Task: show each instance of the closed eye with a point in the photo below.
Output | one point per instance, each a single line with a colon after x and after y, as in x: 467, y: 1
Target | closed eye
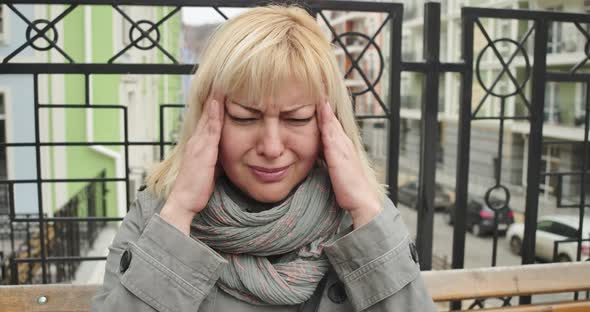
x: 242, y: 120
x: 300, y: 121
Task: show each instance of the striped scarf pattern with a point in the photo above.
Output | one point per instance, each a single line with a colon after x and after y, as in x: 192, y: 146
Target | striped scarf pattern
x: 299, y: 227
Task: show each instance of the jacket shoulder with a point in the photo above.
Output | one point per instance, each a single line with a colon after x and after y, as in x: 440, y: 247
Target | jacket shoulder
x: 149, y: 203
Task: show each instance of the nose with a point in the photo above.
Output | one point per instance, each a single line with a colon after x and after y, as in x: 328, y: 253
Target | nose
x: 270, y: 143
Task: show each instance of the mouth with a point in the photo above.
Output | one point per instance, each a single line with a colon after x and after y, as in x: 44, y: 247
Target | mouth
x: 268, y: 175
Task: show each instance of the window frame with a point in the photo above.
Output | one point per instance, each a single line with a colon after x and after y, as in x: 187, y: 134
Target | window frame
x: 4, y: 200
x: 555, y: 33
x: 3, y: 23
x: 546, y: 229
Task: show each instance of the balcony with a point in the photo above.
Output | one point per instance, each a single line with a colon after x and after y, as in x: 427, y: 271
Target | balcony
x: 411, y: 104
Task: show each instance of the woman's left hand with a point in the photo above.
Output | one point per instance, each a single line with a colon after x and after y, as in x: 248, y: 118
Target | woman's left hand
x: 349, y: 181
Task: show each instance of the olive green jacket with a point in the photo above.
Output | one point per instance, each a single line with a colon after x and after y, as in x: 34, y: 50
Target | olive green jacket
x: 152, y: 266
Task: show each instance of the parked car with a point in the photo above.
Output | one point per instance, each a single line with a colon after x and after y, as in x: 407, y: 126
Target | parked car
x: 550, y: 229
x: 408, y: 195
x: 480, y: 217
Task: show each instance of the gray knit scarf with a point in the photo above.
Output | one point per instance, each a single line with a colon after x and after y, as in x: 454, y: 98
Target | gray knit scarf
x: 297, y: 228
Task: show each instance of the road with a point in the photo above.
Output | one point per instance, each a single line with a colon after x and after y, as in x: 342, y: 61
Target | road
x: 478, y: 250
x: 478, y: 253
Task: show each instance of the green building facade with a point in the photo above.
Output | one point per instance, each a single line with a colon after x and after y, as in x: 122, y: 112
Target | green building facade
x: 94, y: 34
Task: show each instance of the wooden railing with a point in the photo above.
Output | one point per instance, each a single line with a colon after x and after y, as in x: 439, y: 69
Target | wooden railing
x: 444, y: 286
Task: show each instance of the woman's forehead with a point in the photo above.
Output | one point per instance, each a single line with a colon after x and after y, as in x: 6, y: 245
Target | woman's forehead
x: 285, y: 98
x: 283, y: 107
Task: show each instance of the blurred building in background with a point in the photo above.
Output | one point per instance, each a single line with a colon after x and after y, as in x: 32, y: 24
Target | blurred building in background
x: 365, y: 38
x: 94, y: 34
x: 89, y: 34
x: 84, y: 37
x: 564, y: 105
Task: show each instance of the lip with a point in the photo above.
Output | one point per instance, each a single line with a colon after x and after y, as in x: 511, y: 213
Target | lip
x: 268, y: 175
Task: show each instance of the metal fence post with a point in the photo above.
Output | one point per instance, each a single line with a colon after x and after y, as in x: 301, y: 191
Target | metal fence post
x: 463, y: 147
x: 395, y: 103
x: 429, y: 135
x: 535, y: 146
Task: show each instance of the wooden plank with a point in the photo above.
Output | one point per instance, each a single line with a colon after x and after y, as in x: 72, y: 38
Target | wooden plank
x: 442, y: 285
x: 60, y: 298
x: 572, y: 306
x: 504, y: 281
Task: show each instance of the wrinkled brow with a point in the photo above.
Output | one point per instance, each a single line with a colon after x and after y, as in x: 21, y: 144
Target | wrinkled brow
x: 258, y: 111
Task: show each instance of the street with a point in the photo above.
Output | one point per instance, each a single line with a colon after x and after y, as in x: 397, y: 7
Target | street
x: 478, y: 250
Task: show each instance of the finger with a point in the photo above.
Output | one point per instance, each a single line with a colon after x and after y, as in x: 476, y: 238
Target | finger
x: 217, y: 95
x: 213, y: 110
x: 212, y: 113
x: 322, y: 114
x: 216, y: 102
x: 330, y: 124
x: 221, y: 112
x: 318, y: 111
x: 336, y: 144
x: 214, y: 122
x: 202, y: 123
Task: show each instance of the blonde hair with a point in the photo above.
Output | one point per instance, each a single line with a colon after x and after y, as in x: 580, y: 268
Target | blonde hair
x: 260, y: 51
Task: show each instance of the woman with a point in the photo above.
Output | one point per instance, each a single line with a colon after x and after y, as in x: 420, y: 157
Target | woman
x: 268, y: 202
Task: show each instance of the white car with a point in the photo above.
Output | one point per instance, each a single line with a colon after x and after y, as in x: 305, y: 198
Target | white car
x: 550, y: 229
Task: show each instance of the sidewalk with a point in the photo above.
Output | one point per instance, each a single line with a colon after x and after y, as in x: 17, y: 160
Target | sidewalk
x: 92, y: 272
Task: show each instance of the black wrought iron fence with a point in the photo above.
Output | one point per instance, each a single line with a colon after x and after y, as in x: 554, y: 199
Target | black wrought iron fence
x: 62, y: 240
x: 536, y: 25
x: 4, y: 199
x: 527, y: 88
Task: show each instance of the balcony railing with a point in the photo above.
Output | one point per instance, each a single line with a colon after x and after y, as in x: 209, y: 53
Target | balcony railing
x: 530, y: 89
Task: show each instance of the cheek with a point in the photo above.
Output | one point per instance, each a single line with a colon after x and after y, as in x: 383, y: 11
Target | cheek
x: 306, y: 142
x: 233, y: 143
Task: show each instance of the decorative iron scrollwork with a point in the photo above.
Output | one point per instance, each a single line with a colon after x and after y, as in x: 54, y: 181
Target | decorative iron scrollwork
x: 40, y: 33
x: 574, y: 69
x: 144, y: 34
x: 337, y: 38
x: 370, y: 42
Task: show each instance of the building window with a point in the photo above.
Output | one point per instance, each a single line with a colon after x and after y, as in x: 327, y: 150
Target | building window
x: 3, y: 174
x: 504, y: 29
x: 359, y: 104
x: 552, y: 113
x: 409, y: 53
x: 2, y: 20
x: 550, y: 162
x: 403, y: 138
x: 411, y: 9
x: 580, y: 105
x: 371, y: 73
x: 554, y: 39
x: 380, y: 140
x: 125, y: 25
x: 4, y: 209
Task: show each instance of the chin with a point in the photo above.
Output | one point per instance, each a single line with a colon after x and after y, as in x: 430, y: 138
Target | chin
x: 269, y: 196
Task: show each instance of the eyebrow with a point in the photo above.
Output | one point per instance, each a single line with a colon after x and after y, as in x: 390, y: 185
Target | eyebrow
x: 254, y: 110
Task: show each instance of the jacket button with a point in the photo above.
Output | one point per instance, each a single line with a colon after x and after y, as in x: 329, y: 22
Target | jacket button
x: 125, y: 261
x: 336, y: 293
x: 414, y: 252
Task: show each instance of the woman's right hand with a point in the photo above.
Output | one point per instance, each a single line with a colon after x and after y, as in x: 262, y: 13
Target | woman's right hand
x: 196, y: 177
